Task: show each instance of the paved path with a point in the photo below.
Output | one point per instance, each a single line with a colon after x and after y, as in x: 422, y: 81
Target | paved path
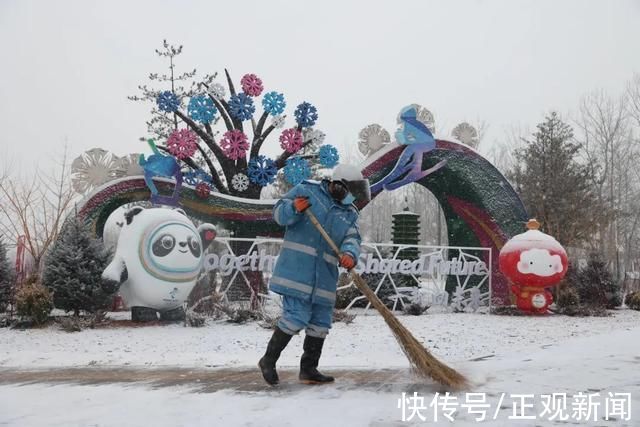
x: 212, y: 380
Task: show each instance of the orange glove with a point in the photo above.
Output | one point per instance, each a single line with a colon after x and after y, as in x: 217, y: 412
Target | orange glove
x: 347, y: 261
x: 301, y: 204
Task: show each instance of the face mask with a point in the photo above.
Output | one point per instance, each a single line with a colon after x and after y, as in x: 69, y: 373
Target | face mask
x: 338, y: 191
x: 349, y: 199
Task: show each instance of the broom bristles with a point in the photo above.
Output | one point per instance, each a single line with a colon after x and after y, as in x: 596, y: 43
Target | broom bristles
x: 422, y: 361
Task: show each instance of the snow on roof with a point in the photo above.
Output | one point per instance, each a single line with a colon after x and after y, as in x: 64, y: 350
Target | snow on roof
x: 406, y: 213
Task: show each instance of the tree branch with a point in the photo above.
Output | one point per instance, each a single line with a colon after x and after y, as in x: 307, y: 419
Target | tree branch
x: 281, y: 161
x: 257, y: 144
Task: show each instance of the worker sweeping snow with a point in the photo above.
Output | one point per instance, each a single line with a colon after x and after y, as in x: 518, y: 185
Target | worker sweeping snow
x: 306, y: 273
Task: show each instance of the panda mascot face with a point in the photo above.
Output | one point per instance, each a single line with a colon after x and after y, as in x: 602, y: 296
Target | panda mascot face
x: 171, y: 251
x: 158, y: 257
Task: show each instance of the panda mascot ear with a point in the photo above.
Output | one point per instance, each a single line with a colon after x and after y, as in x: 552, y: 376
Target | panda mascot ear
x: 131, y: 213
x: 207, y: 234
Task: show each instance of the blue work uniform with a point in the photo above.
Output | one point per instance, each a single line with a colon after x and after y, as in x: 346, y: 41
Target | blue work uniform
x: 306, y: 273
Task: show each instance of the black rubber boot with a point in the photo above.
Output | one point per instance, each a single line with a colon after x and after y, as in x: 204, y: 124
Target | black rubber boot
x: 309, y: 362
x: 267, y: 364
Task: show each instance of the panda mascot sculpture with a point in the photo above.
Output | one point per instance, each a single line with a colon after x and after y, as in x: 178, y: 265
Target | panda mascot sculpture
x: 159, y: 255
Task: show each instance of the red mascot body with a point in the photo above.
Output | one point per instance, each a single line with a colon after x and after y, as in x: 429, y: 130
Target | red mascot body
x: 533, y: 261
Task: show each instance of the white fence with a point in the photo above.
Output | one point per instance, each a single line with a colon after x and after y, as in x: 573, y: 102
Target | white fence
x: 423, y: 277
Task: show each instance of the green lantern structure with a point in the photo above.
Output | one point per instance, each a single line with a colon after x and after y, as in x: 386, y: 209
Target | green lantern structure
x: 406, y: 231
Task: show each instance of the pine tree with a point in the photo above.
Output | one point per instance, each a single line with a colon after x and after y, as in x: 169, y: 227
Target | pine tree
x: 554, y: 185
x: 596, y: 285
x: 6, y: 277
x: 73, y: 270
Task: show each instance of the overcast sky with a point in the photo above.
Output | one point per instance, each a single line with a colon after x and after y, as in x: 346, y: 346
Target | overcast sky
x: 68, y: 66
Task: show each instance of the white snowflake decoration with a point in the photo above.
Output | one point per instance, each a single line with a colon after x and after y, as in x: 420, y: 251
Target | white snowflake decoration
x: 240, y: 182
x: 316, y: 136
x: 424, y: 116
x: 91, y: 169
x: 127, y: 166
x: 466, y: 134
x: 217, y: 91
x: 372, y: 138
x: 277, y: 121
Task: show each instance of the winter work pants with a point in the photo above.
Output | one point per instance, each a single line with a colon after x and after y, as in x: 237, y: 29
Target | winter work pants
x: 298, y: 314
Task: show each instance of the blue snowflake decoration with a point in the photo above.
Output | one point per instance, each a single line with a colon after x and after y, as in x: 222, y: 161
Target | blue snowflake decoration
x: 204, y: 177
x: 195, y: 177
x: 201, y: 109
x: 328, y: 156
x: 190, y: 178
x: 273, y: 103
x: 306, y: 115
x: 241, y: 106
x: 262, y: 170
x: 297, y: 170
x: 168, y: 102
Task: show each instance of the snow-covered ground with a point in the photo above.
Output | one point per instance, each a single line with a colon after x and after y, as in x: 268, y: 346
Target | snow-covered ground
x: 503, y: 356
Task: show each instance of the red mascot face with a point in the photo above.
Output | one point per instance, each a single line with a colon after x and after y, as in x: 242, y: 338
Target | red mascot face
x: 541, y: 267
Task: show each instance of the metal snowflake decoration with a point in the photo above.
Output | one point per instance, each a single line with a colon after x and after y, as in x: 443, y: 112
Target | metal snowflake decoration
x: 218, y: 91
x: 190, y: 178
x: 278, y: 121
x: 316, y: 136
x: 182, y: 143
x: 328, y: 156
x: 127, y: 166
x: 273, y: 103
x: 251, y: 85
x: 466, y: 134
x: 296, y: 170
x: 203, y: 176
x: 424, y: 116
x: 203, y: 190
x: 91, y: 169
x: 202, y: 109
x: 262, y: 170
x: 306, y: 115
x: 194, y: 176
x: 372, y: 138
x: 291, y: 140
x: 234, y: 144
x: 240, y: 182
x: 241, y: 106
x: 168, y: 102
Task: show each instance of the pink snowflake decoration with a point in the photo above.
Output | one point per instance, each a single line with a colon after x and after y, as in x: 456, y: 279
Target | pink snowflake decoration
x: 182, y: 143
x: 234, y: 144
x: 291, y: 140
x: 251, y: 85
x: 203, y: 190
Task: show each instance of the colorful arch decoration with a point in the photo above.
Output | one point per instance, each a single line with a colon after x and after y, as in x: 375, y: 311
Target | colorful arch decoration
x: 480, y: 206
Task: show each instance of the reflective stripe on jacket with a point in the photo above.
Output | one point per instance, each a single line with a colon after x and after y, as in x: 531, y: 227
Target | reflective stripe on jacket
x: 307, y: 267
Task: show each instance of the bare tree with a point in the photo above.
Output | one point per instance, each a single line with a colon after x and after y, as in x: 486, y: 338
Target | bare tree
x: 35, y: 207
x: 605, y: 133
x: 633, y: 98
x: 501, y: 153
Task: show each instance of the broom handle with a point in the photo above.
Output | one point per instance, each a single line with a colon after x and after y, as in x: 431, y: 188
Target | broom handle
x: 324, y: 234
x: 357, y: 279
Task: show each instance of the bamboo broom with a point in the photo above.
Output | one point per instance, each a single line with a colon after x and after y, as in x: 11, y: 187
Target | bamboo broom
x: 422, y: 361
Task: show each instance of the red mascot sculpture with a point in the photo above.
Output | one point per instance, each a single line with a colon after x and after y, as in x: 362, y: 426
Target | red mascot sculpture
x: 533, y: 261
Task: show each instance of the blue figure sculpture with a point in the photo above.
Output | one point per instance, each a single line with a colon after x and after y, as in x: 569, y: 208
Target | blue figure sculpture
x: 158, y: 164
x: 418, y: 140
x: 413, y: 131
